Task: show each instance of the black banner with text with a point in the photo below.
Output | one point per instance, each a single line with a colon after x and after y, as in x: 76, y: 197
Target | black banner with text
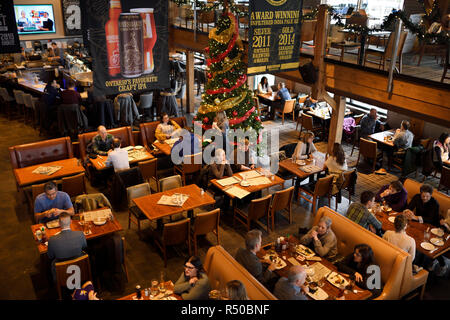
x: 274, y: 35
x: 72, y: 17
x: 9, y: 39
x: 128, y: 42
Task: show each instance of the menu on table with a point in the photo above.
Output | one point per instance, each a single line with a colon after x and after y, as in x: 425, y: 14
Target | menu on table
x: 259, y: 181
x: 237, y: 192
x: 228, y: 181
x: 176, y: 200
x: 310, y: 168
x: 97, y: 215
x: 249, y: 174
x: 47, y: 170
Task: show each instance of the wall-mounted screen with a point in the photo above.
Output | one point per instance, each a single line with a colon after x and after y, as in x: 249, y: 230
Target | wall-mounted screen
x: 35, y: 18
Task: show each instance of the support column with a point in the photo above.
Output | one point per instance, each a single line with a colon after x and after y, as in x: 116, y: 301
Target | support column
x: 190, y: 88
x: 336, y: 123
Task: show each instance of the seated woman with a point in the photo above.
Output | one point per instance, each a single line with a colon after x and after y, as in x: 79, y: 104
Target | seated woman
x: 356, y: 266
x: 193, y: 283
x: 305, y: 147
x: 166, y: 128
x: 220, y: 166
x: 321, y: 239
x: 336, y: 165
x: 263, y: 86
x: 399, y: 237
x: 236, y: 290
x: 394, y: 194
x: 441, y: 150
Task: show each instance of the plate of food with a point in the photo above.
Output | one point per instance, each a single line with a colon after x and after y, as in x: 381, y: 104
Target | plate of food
x: 245, y: 183
x: 53, y: 224
x: 99, y: 221
x: 337, y: 280
x: 139, y: 147
x: 437, y: 232
x: 437, y: 242
x: 386, y: 209
x: 300, y: 162
x: 317, y: 293
x: 279, y: 263
x: 427, y: 246
x: 391, y: 219
x: 304, y: 251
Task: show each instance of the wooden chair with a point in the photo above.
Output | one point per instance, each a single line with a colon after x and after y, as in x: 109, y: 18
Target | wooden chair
x: 368, y: 149
x: 385, y: 53
x: 347, y: 185
x: 62, y: 274
x: 444, y: 182
x: 306, y: 122
x: 204, y: 223
x: 134, y: 214
x: 173, y: 233
x: 356, y: 133
x: 191, y: 165
x: 282, y: 200
x: 169, y: 183
x: 257, y: 209
x: 124, y: 259
x: 287, y: 108
x: 74, y: 185
x: 149, y: 170
x: 321, y: 188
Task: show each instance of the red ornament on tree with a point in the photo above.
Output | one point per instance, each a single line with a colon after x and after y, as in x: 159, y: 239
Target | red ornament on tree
x: 209, y: 75
x: 205, y: 119
x: 207, y: 49
x: 258, y: 119
x: 235, y: 113
x: 225, y: 81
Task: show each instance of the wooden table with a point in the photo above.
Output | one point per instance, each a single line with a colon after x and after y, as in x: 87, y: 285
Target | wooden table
x: 154, y: 211
x: 294, y: 168
x: 324, y: 113
x: 276, y: 181
x: 99, y: 163
x: 271, y: 100
x: 381, y: 137
x: 26, y: 177
x: 416, y: 230
x: 163, y: 147
x: 39, y: 87
x: 97, y: 231
x: 330, y: 289
x: 169, y: 286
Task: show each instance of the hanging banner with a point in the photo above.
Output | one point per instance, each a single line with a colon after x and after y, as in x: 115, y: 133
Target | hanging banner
x: 128, y: 42
x: 72, y: 17
x: 9, y: 39
x: 274, y: 35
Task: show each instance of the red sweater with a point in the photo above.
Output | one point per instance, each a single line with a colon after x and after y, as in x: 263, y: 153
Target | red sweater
x: 70, y: 97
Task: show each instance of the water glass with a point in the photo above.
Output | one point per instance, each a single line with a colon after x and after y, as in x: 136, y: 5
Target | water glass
x: 426, y: 235
x: 154, y: 288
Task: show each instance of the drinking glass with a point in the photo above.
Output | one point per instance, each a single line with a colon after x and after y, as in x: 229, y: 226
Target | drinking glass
x: 162, y: 284
x: 154, y: 288
x: 426, y: 235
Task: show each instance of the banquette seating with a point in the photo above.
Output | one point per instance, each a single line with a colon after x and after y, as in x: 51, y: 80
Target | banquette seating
x: 221, y: 267
x: 148, y: 130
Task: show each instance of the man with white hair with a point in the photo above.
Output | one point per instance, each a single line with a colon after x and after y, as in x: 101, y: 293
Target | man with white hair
x: 291, y: 288
x: 67, y: 244
x: 102, y: 142
x: 321, y: 239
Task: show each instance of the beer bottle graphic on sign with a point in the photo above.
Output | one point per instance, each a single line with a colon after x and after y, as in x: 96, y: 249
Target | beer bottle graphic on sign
x: 149, y: 36
x: 112, y: 37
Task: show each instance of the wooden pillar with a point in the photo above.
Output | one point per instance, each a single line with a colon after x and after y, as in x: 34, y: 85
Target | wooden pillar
x: 320, y: 42
x: 336, y: 123
x: 190, y: 88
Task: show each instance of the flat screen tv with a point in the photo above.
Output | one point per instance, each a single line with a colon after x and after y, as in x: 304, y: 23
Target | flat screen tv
x: 35, y: 18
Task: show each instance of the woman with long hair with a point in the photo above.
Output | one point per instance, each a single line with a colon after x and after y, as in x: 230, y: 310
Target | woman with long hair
x: 193, y: 283
x: 305, y: 147
x: 336, y: 165
x: 441, y: 150
x: 166, y: 128
x: 263, y: 86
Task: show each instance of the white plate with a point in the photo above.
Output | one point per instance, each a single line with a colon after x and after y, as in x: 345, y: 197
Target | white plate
x: 334, y: 277
x: 386, y: 209
x: 437, y: 242
x: 319, y: 294
x: 245, y: 183
x: 99, y: 222
x: 53, y: 224
x: 304, y: 251
x: 437, y: 232
x: 427, y: 246
x: 300, y: 162
x: 138, y: 147
x: 391, y: 219
x: 279, y: 263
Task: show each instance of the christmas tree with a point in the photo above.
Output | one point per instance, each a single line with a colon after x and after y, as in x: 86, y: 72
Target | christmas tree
x: 227, y: 89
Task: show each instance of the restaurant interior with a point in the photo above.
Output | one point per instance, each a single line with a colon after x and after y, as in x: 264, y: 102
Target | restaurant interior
x: 351, y: 159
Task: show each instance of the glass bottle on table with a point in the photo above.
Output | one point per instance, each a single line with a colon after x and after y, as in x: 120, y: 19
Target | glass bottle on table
x: 154, y: 288
x: 162, y: 284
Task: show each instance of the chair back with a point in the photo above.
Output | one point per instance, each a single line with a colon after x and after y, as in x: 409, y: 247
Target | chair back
x: 323, y: 186
x: 347, y: 178
x: 149, y: 168
x: 302, y: 99
x: 169, y: 183
x: 425, y: 143
x: 192, y: 163
x: 259, y: 207
x: 390, y: 45
x: 357, y: 19
x: 307, y: 122
x: 289, y: 106
x: 256, y: 100
x: 146, y: 100
x: 358, y: 118
x: 18, y: 96
x: 137, y: 191
x: 367, y: 148
x: 206, y: 222
x: 74, y: 185
x: 62, y: 274
x: 282, y: 199
x: 176, y: 232
x: 27, y: 100
x: 445, y: 177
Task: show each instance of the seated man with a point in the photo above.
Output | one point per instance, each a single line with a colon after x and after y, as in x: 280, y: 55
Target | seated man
x: 102, y: 142
x: 370, y: 124
x: 394, y: 194
x: 283, y: 92
x: 50, y: 204
x: 321, y: 239
x: 248, y: 259
x: 191, y: 145
x: 67, y: 244
x: 243, y: 158
x: 359, y: 212
x: 291, y: 288
x: 403, y: 138
x: 118, y: 158
x: 426, y: 207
